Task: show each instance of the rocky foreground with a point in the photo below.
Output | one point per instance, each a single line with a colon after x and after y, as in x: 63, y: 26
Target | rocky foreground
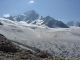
x: 10, y: 51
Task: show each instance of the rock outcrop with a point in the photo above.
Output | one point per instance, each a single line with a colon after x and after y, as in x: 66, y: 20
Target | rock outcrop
x: 1, y: 23
x: 10, y: 51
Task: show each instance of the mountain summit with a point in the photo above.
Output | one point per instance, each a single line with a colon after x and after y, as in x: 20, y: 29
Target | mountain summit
x: 32, y: 17
x: 73, y: 23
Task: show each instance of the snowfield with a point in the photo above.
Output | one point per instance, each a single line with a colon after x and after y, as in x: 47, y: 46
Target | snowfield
x: 60, y: 42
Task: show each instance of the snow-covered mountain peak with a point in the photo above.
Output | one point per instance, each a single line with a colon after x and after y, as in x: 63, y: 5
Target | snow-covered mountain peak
x: 23, y: 24
x: 32, y: 17
x: 73, y: 23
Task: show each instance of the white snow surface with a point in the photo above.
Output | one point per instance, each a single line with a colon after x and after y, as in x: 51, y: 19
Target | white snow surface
x: 60, y: 42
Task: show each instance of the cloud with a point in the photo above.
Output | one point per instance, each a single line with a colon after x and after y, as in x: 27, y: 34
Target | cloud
x: 6, y: 15
x: 31, y: 2
x: 60, y: 20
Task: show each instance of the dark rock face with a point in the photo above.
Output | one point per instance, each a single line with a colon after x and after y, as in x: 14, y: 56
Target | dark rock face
x: 6, y: 46
x: 32, y: 16
x: 28, y: 16
x: 52, y: 23
x: 1, y: 23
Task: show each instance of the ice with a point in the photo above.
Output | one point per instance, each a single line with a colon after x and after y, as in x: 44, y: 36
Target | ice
x: 57, y: 41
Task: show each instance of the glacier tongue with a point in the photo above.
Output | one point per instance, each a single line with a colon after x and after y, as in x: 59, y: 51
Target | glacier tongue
x: 60, y: 42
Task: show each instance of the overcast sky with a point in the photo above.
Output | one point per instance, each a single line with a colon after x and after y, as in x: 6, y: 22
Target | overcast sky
x: 65, y: 10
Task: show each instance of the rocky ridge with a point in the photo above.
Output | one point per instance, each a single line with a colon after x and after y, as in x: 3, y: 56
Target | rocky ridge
x: 10, y: 51
x: 32, y: 17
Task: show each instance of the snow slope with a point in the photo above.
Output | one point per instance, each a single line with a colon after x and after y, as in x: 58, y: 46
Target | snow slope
x: 60, y: 42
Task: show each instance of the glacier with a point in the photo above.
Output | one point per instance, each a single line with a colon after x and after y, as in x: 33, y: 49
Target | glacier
x: 60, y: 42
